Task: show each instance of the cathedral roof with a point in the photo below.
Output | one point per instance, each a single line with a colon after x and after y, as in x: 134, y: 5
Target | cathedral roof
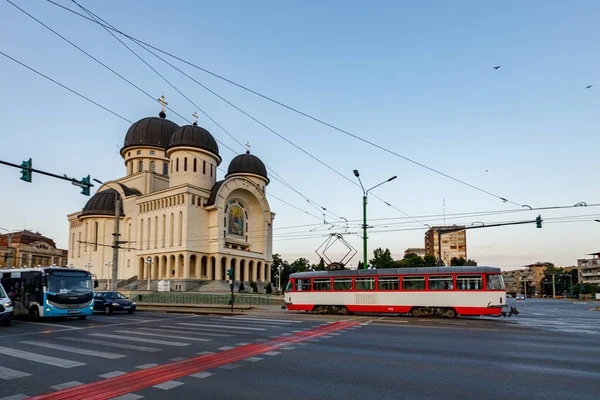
x: 102, y: 203
x: 150, y: 131
x: 247, y: 164
x: 194, y: 136
x: 213, y: 193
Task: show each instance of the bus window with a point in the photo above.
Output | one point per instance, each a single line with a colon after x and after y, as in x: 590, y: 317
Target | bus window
x: 468, y: 282
x: 364, y: 284
x: 342, y: 284
x: 441, y: 283
x: 413, y: 283
x: 495, y: 282
x: 322, y: 283
x: 388, y: 283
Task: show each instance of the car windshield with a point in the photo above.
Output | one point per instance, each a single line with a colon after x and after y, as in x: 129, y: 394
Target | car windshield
x: 69, y: 282
x: 114, y: 295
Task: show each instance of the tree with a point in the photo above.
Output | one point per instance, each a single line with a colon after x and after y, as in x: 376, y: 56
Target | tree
x: 254, y: 287
x: 285, y: 270
x: 241, y: 288
x: 458, y: 262
x: 360, y: 265
x: 320, y: 266
x: 471, y: 263
x: 382, y: 258
x: 300, y: 265
x: 429, y: 261
x: 410, y: 260
x: 268, y: 288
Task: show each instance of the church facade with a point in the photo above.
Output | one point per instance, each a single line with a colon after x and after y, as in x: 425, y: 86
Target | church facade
x: 177, y: 221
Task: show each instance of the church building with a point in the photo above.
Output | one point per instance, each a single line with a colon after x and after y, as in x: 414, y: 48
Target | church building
x: 177, y: 221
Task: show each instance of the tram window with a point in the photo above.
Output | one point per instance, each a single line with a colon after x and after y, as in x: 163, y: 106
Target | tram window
x: 289, y: 286
x: 495, y: 282
x: 298, y: 285
x: 413, y: 283
x: 364, y: 284
x: 468, y: 282
x: 342, y: 284
x: 389, y: 283
x: 322, y: 284
x: 441, y: 283
x: 306, y: 284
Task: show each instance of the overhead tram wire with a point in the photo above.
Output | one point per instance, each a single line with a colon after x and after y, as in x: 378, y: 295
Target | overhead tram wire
x: 295, y: 110
x: 108, y: 26
x: 131, y: 83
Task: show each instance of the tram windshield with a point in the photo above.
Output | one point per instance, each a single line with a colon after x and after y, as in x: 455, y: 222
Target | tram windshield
x: 495, y: 282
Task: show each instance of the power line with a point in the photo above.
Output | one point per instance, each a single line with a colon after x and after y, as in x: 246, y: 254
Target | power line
x: 295, y: 110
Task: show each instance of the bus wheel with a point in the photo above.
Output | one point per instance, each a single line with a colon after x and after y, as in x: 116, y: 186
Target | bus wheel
x: 34, y: 314
x: 449, y: 313
x: 343, y: 310
x: 107, y: 310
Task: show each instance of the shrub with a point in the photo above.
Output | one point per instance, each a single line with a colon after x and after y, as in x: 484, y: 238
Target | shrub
x: 268, y: 288
x: 242, y: 288
x: 254, y: 287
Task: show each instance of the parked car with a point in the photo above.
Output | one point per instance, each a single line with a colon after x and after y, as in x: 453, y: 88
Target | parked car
x: 107, y: 302
x: 520, y: 296
x: 6, y: 307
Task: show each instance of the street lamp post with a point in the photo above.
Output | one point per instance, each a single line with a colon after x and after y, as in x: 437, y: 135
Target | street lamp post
x: 365, y: 193
x: 109, y: 265
x: 89, y: 266
x: 570, y: 284
x: 149, y: 263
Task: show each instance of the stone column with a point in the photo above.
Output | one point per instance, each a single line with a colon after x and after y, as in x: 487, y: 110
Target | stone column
x: 186, y: 267
x: 247, y: 271
x: 237, y: 270
x: 268, y: 271
x: 254, y: 271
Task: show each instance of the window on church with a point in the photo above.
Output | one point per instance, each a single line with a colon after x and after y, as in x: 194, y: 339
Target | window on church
x: 139, y: 152
x: 235, y: 223
x: 193, y: 199
x: 177, y: 165
x: 165, y: 169
x: 152, y: 152
x: 140, y: 166
x: 152, y: 166
x: 185, y: 163
x: 95, y: 236
x: 211, y: 170
x: 204, y: 167
x: 195, y: 163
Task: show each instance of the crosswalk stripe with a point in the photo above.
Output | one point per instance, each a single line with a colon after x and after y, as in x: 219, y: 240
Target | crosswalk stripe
x: 170, y: 336
x: 26, y: 355
x: 199, y: 328
x: 76, y: 350
x: 66, y: 385
x: 138, y: 339
x: 186, y: 332
x: 223, y: 326
x: 265, y: 320
x: 7, y: 374
x: 111, y: 344
x: 18, y: 396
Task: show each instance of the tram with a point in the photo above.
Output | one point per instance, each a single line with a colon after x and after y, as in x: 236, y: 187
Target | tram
x: 433, y: 291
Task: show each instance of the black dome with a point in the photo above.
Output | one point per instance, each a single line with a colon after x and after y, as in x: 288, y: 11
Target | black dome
x: 150, y: 131
x: 102, y: 203
x: 194, y: 136
x: 247, y: 164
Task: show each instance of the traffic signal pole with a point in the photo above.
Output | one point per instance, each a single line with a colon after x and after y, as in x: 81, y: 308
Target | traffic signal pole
x: 27, y: 171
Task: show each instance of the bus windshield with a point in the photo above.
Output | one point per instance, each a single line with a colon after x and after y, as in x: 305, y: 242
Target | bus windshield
x: 62, y: 282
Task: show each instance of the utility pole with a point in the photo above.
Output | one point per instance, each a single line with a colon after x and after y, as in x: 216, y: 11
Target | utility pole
x: 440, y: 260
x: 365, y: 262
x: 116, y: 242
x: 553, y: 287
x: 9, y: 260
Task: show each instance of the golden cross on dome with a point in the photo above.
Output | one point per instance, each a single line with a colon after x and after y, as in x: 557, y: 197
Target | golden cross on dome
x: 248, y: 147
x: 162, y: 101
x: 195, y: 116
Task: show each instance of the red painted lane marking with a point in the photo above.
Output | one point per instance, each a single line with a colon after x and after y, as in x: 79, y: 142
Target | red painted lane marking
x: 134, y: 381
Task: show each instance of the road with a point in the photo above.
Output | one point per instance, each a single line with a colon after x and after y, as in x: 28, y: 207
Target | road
x: 283, y: 355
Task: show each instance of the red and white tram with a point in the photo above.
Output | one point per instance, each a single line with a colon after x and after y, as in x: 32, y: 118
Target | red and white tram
x: 440, y: 291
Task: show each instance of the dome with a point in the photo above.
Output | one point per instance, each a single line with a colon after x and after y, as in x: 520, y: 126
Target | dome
x: 194, y: 136
x: 102, y: 203
x: 150, y: 131
x: 247, y: 164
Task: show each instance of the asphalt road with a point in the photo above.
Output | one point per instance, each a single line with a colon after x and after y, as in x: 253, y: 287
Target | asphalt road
x: 282, y: 355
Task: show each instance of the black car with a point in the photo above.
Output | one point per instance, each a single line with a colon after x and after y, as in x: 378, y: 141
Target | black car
x: 107, y: 302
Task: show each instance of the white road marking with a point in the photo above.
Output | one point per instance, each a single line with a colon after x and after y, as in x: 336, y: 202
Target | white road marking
x: 265, y: 320
x: 253, y: 359
x: 230, y: 366
x: 223, y: 326
x: 138, y: 339
x: 203, y: 353
x: 296, y: 331
x: 288, y: 348
x: 25, y: 355
x: 110, y: 344
x: 128, y: 396
x: 202, y: 375
x: 334, y: 334
x: 76, y: 350
x: 66, y: 385
x: 225, y: 348
x: 112, y: 374
x: 314, y: 340
x: 17, y: 396
x: 170, y: 336
x: 261, y: 340
x: 47, y: 324
x: 177, y: 359
x: 186, y: 332
x: 287, y: 334
x: 7, y: 374
x: 146, y: 366
x: 168, y: 385
x: 241, y: 344
x: 272, y: 353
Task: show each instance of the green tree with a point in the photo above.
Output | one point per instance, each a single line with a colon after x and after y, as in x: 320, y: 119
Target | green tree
x: 471, y: 263
x: 300, y: 265
x: 268, y: 288
x: 360, y: 265
x: 275, y: 270
x: 458, y: 262
x: 429, y: 261
x: 382, y: 258
x: 242, y: 288
x: 254, y: 287
x: 320, y: 266
x: 410, y: 260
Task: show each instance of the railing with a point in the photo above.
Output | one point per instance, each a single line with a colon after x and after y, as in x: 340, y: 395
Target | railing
x: 201, y: 298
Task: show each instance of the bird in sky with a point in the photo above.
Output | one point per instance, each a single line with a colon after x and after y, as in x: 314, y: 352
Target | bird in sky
x: 587, y: 87
x: 497, y: 66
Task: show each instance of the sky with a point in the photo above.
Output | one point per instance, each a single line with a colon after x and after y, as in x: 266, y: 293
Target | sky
x: 416, y: 78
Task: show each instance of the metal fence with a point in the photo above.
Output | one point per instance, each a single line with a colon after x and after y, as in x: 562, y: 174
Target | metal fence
x: 197, y: 298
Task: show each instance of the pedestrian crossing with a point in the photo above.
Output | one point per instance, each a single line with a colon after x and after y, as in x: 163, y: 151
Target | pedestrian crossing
x: 183, y: 337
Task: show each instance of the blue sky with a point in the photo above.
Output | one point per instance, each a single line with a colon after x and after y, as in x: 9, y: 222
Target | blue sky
x: 415, y: 77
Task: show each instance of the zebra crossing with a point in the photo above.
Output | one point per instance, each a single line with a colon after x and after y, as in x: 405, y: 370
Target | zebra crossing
x: 29, y: 356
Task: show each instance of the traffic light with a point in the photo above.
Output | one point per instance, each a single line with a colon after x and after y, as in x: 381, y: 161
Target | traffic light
x: 26, y: 171
x: 538, y: 221
x: 85, y: 181
x: 230, y: 273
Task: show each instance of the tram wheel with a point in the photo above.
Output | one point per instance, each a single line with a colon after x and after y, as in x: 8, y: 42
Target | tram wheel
x: 343, y: 310
x: 449, y: 313
x: 321, y: 309
x: 417, y: 312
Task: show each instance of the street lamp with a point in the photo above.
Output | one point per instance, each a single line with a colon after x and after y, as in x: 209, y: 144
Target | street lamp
x: 149, y: 263
x: 365, y: 193
x: 109, y: 265
x: 89, y: 266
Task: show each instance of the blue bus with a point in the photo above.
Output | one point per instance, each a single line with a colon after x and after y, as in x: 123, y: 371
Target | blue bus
x: 50, y: 292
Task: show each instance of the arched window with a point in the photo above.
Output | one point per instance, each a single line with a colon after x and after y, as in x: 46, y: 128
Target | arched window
x: 164, y: 230
x: 129, y: 168
x: 177, y: 165
x: 185, y: 163
x: 180, y: 228
x: 235, y: 218
x: 152, y: 166
x: 95, y: 235
x: 211, y: 170
x: 171, y: 229
x: 140, y: 166
x: 165, y: 169
x: 195, y: 162
x: 204, y: 167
